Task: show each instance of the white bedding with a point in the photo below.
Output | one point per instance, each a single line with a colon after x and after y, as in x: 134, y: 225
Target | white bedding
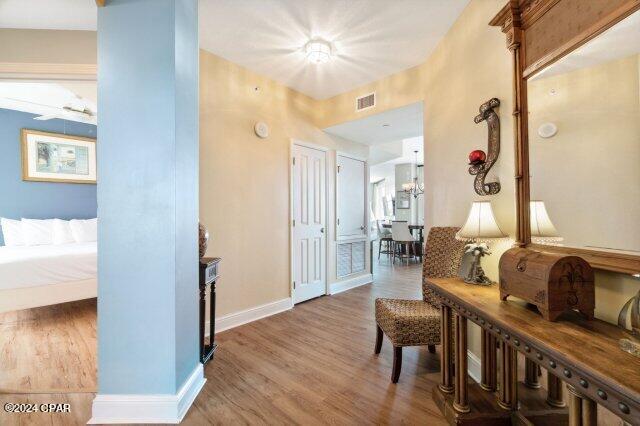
x: 31, y: 266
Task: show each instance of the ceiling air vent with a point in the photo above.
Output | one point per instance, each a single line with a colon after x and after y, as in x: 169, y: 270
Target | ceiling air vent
x: 366, y: 101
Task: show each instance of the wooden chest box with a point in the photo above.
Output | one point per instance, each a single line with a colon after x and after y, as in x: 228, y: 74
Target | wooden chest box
x: 553, y: 282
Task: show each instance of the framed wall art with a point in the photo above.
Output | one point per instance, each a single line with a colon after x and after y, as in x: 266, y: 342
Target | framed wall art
x: 403, y: 200
x: 54, y: 157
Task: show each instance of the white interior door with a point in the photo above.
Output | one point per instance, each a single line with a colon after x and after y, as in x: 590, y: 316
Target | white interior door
x: 351, y: 197
x: 309, y: 223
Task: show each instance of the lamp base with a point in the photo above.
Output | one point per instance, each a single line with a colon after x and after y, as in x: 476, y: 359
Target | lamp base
x: 476, y: 274
x: 631, y: 346
x: 480, y: 281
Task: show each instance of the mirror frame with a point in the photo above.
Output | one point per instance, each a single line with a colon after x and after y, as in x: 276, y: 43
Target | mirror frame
x: 538, y: 34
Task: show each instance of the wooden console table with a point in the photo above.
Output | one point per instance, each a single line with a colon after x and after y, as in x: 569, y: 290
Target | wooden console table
x: 583, y: 354
x: 208, y: 276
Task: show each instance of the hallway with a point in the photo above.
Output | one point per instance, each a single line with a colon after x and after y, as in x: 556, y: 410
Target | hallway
x: 315, y: 365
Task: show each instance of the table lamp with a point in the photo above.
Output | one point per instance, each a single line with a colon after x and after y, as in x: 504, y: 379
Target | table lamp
x: 480, y: 228
x: 542, y: 229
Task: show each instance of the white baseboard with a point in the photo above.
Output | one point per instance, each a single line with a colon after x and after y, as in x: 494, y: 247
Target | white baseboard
x: 348, y: 284
x: 111, y: 409
x: 473, y: 366
x: 252, y: 314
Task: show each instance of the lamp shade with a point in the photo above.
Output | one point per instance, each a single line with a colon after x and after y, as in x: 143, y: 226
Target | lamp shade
x: 481, y: 224
x: 541, y: 226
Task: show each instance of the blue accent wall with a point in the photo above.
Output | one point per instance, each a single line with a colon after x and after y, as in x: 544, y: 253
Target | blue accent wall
x: 39, y: 200
x: 148, y: 196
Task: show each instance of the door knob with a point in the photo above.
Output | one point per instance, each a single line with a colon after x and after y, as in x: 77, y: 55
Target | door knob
x: 322, y: 230
x: 362, y: 228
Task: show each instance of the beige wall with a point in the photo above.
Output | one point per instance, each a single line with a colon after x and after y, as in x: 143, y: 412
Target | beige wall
x: 68, y: 57
x: 470, y: 65
x: 397, y: 90
x: 244, y: 180
x: 48, y: 46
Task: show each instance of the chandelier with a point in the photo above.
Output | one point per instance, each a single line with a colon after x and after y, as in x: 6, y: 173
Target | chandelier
x: 413, y: 188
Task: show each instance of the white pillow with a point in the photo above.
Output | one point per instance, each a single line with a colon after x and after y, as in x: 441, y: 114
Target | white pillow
x: 37, y: 232
x: 84, y: 231
x: 62, y: 232
x: 12, y: 232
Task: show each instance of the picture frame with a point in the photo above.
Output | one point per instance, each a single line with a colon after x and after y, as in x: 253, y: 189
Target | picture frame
x: 56, y: 157
x: 403, y: 200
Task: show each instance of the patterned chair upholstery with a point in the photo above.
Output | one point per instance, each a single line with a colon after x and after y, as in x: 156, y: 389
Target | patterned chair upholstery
x: 417, y: 322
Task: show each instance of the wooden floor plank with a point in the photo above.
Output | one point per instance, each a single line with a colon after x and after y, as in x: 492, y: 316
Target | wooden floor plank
x: 49, y: 349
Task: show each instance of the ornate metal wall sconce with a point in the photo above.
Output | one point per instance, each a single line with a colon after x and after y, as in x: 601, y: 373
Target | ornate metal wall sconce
x: 481, y: 164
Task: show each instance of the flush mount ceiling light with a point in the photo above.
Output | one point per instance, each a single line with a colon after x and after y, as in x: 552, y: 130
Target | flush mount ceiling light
x: 318, y: 51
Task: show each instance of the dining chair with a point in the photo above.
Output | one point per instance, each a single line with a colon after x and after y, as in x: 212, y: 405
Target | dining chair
x: 417, y: 322
x: 384, y: 236
x: 403, y: 241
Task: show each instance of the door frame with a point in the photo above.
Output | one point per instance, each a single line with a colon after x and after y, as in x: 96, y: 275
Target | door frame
x: 304, y: 144
x: 366, y: 237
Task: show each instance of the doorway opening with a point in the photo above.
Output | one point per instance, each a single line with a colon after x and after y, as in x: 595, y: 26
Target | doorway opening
x: 396, y: 180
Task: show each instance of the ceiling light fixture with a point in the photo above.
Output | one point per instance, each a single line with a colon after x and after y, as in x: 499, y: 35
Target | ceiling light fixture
x: 318, y: 51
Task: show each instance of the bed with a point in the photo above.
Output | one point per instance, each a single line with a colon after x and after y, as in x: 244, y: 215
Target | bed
x: 48, y: 274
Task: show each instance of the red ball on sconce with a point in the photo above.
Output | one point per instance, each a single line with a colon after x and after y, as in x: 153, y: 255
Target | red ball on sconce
x: 477, y: 157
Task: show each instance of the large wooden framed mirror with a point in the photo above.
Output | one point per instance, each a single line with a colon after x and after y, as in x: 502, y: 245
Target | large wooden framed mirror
x: 577, y: 127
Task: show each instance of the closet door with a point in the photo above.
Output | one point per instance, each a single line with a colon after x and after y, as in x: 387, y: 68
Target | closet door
x: 309, y: 215
x: 350, y: 201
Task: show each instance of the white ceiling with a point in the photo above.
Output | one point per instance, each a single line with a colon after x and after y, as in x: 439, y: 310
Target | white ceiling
x: 621, y: 40
x: 388, y: 145
x: 371, y: 38
x: 388, y: 126
x: 48, y: 14
x: 386, y: 169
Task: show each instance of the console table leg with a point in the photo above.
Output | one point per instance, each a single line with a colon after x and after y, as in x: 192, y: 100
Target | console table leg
x: 582, y: 410
x: 508, y: 395
x: 461, y: 397
x: 554, y: 392
x: 589, y: 412
x: 202, y: 294
x: 446, y: 373
x: 531, y: 379
x: 489, y: 362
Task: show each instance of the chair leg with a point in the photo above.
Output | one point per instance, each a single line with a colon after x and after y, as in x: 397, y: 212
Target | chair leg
x: 407, y: 252
x: 379, y: 248
x: 378, y: 339
x: 397, y: 363
x: 432, y: 349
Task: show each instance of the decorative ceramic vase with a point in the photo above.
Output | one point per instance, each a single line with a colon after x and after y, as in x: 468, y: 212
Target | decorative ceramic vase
x: 203, y: 239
